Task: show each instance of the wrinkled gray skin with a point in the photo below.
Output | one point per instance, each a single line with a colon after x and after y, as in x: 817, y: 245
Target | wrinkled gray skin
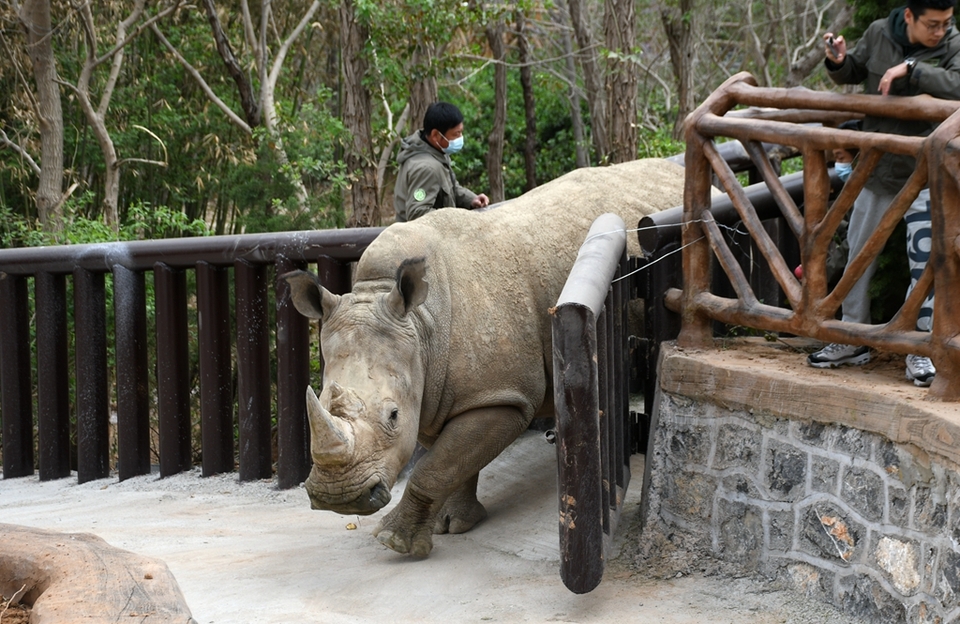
x: 445, y: 339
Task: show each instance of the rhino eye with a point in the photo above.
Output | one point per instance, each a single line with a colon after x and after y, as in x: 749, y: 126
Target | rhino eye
x: 394, y: 414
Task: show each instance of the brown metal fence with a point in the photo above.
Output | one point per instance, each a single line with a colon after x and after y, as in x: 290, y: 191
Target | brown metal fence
x: 248, y: 263
x: 810, y: 308
x: 591, y: 398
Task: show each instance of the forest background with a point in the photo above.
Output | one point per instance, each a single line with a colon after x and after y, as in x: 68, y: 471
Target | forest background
x: 136, y: 119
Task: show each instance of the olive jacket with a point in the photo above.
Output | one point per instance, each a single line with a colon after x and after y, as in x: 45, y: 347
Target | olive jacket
x: 426, y: 181
x: 937, y: 73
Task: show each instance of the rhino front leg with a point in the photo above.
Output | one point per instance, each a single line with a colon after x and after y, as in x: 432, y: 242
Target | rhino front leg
x: 467, y: 443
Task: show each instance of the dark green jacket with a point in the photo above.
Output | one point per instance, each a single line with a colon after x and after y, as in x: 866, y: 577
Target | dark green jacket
x: 426, y: 181
x: 937, y: 74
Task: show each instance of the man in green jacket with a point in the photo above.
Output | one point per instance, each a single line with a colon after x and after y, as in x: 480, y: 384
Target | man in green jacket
x: 916, y: 50
x: 426, y: 181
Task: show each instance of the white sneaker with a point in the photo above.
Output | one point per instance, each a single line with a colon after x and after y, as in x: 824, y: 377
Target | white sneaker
x: 835, y: 354
x: 920, y: 370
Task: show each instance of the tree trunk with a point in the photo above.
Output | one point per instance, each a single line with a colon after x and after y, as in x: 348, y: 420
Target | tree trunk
x: 248, y: 101
x: 529, y: 105
x: 423, y: 88
x: 359, y: 158
x: 679, y: 27
x: 35, y: 18
x: 620, y: 26
x: 593, y: 82
x: 495, y: 32
x: 561, y: 16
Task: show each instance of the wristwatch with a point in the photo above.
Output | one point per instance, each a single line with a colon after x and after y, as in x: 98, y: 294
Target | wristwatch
x: 911, y: 63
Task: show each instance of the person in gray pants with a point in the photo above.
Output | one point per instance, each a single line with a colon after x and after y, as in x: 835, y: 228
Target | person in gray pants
x: 915, y: 50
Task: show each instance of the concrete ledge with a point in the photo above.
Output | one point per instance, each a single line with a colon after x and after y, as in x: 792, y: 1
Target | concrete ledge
x: 755, y: 374
x: 841, y: 483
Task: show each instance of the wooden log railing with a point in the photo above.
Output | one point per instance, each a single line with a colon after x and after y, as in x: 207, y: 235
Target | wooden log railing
x: 592, y: 403
x: 810, y: 307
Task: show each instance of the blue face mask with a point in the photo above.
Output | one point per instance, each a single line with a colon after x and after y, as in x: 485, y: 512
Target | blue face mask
x: 454, y: 146
x: 843, y: 170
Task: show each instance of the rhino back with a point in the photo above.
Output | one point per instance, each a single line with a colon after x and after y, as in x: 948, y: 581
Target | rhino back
x: 493, y: 276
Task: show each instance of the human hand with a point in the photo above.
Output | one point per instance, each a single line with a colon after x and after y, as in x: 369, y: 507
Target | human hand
x: 836, y: 47
x: 480, y: 201
x: 897, y: 71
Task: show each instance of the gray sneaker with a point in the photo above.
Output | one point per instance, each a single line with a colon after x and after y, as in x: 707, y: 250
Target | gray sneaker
x: 835, y: 354
x: 920, y: 370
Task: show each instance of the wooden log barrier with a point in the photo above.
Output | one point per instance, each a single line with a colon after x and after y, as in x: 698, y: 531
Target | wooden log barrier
x: 78, y: 577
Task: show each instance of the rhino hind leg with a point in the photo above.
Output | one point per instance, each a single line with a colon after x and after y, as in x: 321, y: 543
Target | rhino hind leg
x: 462, y: 511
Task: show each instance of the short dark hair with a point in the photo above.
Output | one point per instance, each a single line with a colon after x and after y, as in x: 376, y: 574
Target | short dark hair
x: 442, y: 116
x: 918, y: 7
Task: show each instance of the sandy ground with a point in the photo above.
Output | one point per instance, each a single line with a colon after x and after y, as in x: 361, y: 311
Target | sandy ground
x: 248, y: 552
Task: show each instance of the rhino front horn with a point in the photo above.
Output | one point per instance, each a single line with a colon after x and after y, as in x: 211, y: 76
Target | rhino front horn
x: 331, y: 439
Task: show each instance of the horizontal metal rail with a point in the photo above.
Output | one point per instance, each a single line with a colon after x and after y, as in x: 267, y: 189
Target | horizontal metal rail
x: 246, y: 263
x: 591, y: 397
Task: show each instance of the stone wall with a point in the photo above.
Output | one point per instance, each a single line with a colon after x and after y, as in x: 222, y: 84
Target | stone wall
x: 843, y: 514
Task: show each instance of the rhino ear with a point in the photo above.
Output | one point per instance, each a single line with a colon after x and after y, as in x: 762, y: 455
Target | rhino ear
x: 309, y: 297
x: 411, y: 287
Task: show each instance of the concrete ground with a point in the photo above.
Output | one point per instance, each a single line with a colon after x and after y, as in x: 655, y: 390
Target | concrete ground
x: 247, y: 552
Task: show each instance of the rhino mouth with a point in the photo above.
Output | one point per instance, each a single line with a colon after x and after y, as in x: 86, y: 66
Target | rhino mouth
x: 371, y: 499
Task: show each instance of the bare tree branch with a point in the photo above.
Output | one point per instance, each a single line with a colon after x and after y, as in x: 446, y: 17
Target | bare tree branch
x: 814, y: 56
x: 6, y: 142
x: 232, y: 116
x: 285, y: 48
x: 111, y: 83
x: 121, y: 44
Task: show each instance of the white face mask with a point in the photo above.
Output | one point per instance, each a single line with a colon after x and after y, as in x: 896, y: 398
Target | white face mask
x: 843, y: 170
x: 453, y: 145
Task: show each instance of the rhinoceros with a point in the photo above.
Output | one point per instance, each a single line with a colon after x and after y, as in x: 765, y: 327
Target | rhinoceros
x: 446, y: 339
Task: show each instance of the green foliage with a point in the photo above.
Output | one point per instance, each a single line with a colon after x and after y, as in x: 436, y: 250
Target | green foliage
x: 142, y: 222
x: 867, y: 11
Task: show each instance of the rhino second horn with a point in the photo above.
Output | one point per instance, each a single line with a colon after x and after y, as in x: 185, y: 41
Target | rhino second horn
x: 330, y: 438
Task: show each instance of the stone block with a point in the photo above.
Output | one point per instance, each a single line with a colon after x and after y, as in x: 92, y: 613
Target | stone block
x: 928, y: 562
x: 786, y: 472
x: 690, y: 495
x: 780, y: 527
x: 898, y: 506
x: 925, y: 613
x: 948, y: 579
x: 741, y: 484
x: 741, y: 533
x: 863, y: 597
x: 737, y: 447
x: 852, y: 442
x: 888, y: 458
x: 810, y: 580
x: 825, y: 531
x: 689, y: 444
x: 861, y: 488
x: 813, y: 433
x: 900, y: 561
x: 824, y: 474
x: 929, y: 514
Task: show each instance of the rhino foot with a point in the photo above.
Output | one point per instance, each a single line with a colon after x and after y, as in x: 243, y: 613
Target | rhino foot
x: 395, y: 535
x: 416, y: 546
x: 459, y: 516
